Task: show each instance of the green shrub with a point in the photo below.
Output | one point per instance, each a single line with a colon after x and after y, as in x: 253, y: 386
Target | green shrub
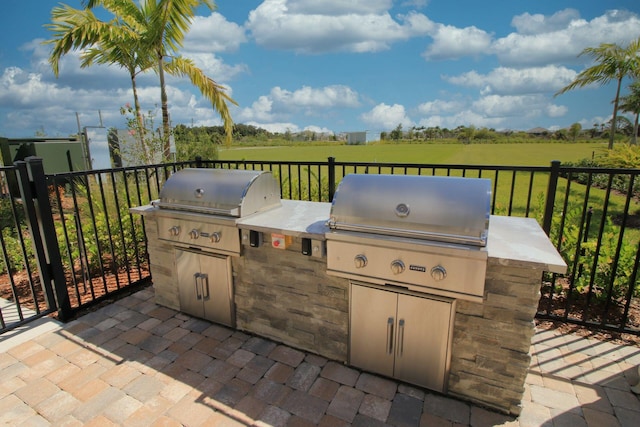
x: 106, y: 236
x: 596, y: 261
x: 14, y: 252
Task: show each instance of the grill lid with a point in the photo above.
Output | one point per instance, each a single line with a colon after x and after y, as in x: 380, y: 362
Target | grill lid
x: 228, y: 192
x: 446, y: 209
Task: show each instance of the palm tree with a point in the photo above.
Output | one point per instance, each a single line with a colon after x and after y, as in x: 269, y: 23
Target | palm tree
x: 631, y: 104
x: 611, y: 62
x: 111, y: 43
x: 152, y: 31
x: 167, y: 23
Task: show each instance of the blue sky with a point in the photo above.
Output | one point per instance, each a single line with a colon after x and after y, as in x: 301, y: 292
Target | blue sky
x: 337, y: 65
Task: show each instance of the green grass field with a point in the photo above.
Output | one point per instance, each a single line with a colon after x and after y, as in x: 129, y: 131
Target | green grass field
x: 515, y: 193
x: 535, y: 154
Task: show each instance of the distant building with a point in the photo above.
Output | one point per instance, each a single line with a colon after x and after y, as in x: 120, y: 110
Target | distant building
x: 362, y: 137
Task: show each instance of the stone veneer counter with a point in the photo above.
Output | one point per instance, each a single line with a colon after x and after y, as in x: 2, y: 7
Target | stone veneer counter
x: 293, y: 300
x: 293, y: 218
x: 287, y: 296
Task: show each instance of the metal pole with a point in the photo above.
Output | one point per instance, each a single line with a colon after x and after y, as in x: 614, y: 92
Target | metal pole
x: 332, y: 177
x: 551, y: 196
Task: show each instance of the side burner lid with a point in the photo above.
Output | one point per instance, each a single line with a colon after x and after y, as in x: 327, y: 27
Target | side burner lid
x: 228, y: 192
x: 446, y: 209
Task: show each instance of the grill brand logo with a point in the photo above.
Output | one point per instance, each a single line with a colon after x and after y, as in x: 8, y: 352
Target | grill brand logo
x: 419, y: 268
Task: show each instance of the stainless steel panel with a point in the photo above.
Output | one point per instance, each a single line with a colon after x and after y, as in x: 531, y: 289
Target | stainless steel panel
x: 465, y: 269
x: 198, y: 233
x: 217, y: 289
x: 205, y: 286
x: 401, y: 334
x: 187, y: 267
x: 422, y: 341
x: 371, y: 334
x: 229, y: 192
x: 448, y: 209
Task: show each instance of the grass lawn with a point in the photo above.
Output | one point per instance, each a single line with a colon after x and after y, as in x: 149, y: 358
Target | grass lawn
x: 534, y: 154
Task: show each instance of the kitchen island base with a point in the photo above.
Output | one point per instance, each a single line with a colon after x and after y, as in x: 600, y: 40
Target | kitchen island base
x: 284, y: 295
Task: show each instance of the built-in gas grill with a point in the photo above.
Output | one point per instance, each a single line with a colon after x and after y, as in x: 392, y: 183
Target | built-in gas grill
x: 197, y: 214
x: 200, y: 207
x: 426, y: 233
x: 411, y: 246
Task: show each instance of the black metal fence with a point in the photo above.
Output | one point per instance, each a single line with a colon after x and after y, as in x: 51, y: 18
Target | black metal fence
x: 91, y: 246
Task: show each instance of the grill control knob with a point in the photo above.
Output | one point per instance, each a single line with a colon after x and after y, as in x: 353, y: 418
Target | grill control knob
x: 397, y: 266
x: 215, y: 237
x: 194, y: 234
x: 360, y: 261
x: 438, y: 273
x: 174, y: 231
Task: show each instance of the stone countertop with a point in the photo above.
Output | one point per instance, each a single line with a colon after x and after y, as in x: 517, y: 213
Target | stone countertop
x: 294, y: 218
x: 512, y: 241
x: 516, y: 241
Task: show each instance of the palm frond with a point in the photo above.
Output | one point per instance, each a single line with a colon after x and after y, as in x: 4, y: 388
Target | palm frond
x: 212, y: 91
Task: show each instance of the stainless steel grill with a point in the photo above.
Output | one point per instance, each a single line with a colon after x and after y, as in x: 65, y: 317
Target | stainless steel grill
x: 447, y: 209
x: 411, y: 246
x: 426, y: 233
x: 227, y: 192
x: 200, y: 207
x: 197, y: 214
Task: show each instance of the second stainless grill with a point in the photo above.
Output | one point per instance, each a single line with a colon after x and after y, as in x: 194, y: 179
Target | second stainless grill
x: 426, y: 233
x: 446, y: 209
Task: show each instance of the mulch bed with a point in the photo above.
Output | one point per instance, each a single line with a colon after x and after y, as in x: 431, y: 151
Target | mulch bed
x: 80, y: 291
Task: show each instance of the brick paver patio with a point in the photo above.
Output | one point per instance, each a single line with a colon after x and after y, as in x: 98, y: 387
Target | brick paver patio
x: 134, y: 363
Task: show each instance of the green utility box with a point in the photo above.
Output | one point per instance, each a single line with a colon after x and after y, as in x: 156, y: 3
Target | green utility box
x: 58, y: 155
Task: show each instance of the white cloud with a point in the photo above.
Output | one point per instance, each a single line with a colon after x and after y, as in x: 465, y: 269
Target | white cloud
x: 562, y: 36
x: 553, y: 110
x: 214, y: 33
x: 384, y: 116
x: 538, y: 23
x: 510, y: 105
x: 308, y: 97
x: 512, y: 81
x: 337, y: 7
x: 281, y: 127
x: 215, y: 68
x: 315, y: 27
x: 450, y: 42
x: 439, y: 107
x: 37, y: 103
x: 418, y: 4
x: 259, y: 110
x: 282, y: 103
x: 494, y: 111
x: 462, y: 118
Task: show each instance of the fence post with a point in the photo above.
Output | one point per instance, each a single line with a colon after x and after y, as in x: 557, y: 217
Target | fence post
x: 332, y: 177
x: 198, y: 161
x: 551, y: 196
x: 35, y: 197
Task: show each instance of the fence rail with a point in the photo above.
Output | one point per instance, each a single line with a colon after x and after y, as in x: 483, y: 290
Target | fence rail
x: 591, y: 216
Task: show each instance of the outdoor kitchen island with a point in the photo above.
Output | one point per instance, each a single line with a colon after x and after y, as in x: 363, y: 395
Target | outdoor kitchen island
x: 281, y: 291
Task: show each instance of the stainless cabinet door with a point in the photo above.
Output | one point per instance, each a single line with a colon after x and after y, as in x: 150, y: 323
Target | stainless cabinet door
x: 188, y: 269
x: 422, y: 341
x: 215, y: 278
x: 373, y: 329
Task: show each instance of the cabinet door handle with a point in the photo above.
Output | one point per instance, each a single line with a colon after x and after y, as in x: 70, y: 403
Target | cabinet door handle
x: 390, y: 322
x: 205, y: 286
x: 198, y: 293
x: 400, y: 337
